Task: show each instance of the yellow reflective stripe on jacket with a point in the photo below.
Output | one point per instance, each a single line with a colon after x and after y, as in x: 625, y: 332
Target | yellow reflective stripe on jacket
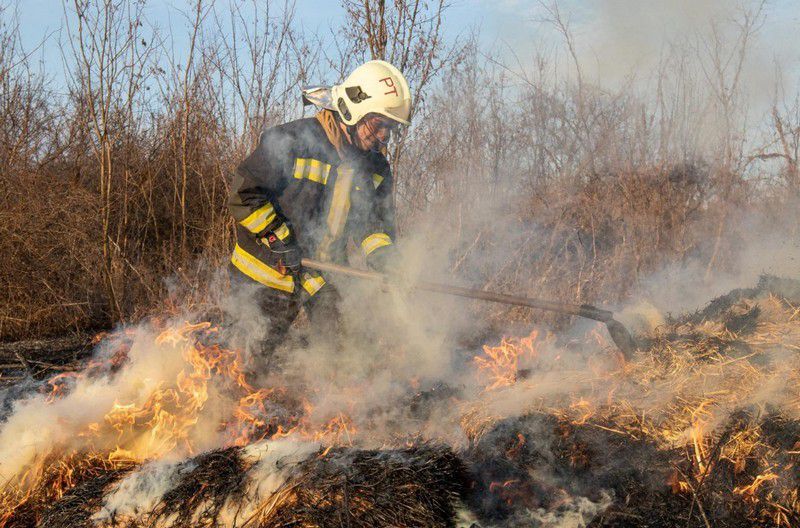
x: 311, y: 169
x: 377, y: 179
x: 340, y: 203
x: 260, y: 272
x: 375, y: 241
x: 312, y: 283
x: 339, y: 209
x: 282, y: 232
x: 259, y: 219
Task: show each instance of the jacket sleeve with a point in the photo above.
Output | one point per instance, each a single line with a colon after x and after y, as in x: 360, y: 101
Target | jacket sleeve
x: 379, y: 230
x: 258, y: 181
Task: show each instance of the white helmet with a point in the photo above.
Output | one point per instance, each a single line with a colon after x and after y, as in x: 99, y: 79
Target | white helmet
x: 374, y: 87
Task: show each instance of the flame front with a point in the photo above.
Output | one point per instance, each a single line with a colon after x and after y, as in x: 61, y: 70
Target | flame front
x: 165, y: 422
x: 684, y: 413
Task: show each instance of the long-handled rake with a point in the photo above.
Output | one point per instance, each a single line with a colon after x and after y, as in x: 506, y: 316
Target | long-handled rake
x: 619, y: 334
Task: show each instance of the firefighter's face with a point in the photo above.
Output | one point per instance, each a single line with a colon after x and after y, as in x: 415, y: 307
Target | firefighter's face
x: 374, y: 132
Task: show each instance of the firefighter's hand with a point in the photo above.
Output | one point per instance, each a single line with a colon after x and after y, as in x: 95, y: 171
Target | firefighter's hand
x: 386, y: 260
x: 287, y: 252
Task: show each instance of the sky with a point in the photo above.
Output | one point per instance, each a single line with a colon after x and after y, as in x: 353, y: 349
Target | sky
x: 614, y: 38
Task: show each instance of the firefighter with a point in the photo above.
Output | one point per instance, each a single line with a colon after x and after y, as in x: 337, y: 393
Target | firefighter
x: 312, y: 185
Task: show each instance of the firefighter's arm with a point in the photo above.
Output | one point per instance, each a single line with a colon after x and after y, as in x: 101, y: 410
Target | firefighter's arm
x: 377, y: 240
x: 258, y: 181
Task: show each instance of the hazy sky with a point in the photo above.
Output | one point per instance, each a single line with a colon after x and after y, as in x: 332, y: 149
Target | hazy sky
x: 613, y: 37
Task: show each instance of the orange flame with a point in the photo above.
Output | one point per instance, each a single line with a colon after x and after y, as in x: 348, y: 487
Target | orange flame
x: 165, y: 421
x: 499, y: 366
x: 749, y: 491
x: 697, y: 434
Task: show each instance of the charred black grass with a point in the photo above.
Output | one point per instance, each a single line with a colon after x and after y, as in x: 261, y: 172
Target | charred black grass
x: 76, y: 507
x: 536, y: 461
x: 212, y: 479
x: 416, y: 486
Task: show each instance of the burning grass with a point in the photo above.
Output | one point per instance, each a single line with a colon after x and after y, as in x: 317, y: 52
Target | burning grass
x: 702, y: 428
x: 61, y: 492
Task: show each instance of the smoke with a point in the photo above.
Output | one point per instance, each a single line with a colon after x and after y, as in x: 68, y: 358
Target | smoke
x: 679, y: 57
x: 576, y: 512
x: 268, y: 464
x: 139, y: 493
x: 392, y: 344
x: 36, y: 424
x: 619, y: 41
x: 764, y: 248
x: 273, y: 459
x: 151, y: 390
x: 623, y: 37
x: 402, y: 365
x: 397, y: 371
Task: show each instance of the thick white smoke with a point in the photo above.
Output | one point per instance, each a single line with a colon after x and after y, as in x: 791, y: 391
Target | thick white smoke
x: 269, y: 463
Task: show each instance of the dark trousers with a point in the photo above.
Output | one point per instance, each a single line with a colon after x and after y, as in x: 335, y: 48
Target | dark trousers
x: 281, y: 309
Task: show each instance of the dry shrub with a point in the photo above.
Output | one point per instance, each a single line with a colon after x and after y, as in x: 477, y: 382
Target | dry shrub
x: 612, y: 230
x: 532, y: 183
x: 48, y: 237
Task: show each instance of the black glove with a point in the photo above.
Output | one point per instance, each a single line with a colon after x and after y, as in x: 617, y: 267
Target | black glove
x: 286, y: 253
x: 385, y: 259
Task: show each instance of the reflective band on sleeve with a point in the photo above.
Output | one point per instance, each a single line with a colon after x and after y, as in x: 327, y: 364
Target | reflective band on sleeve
x: 260, y: 272
x: 299, y: 168
x: 377, y: 179
x: 311, y: 169
x: 312, y: 283
x: 259, y: 219
x: 282, y: 232
x: 374, y: 241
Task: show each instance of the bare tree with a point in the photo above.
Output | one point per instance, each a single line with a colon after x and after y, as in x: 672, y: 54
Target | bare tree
x: 264, y: 60
x: 723, y: 67
x: 107, y: 71
x: 406, y: 33
x: 787, y: 136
